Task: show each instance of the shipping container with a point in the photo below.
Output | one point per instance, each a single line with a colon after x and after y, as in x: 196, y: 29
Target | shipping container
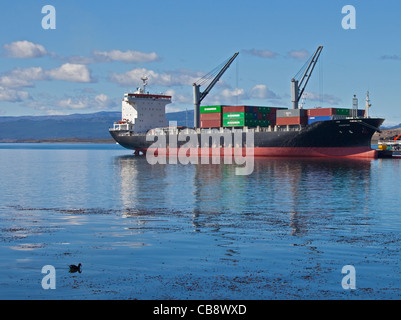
x: 339, y: 117
x: 233, y: 122
x: 270, y: 116
x: 210, y: 116
x: 251, y: 109
x: 342, y: 111
x: 264, y: 109
x: 210, y: 109
x: 282, y: 121
x: 248, y: 115
x: 291, y: 113
x: 318, y: 118
x: 210, y: 123
x: 232, y: 109
x: 234, y: 115
x: 318, y: 112
x: 245, y: 122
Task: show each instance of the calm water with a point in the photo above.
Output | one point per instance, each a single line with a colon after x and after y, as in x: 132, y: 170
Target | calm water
x: 195, y: 231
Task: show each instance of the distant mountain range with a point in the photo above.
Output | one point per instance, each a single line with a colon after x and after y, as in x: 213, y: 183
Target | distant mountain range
x: 398, y: 126
x: 79, y: 126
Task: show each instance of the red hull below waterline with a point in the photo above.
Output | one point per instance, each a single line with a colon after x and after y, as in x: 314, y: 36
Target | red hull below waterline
x: 343, y: 152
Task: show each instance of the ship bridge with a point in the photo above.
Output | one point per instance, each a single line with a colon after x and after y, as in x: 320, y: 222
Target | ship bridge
x: 143, y: 111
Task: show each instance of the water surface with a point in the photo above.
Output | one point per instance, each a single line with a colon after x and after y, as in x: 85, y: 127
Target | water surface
x: 178, y: 231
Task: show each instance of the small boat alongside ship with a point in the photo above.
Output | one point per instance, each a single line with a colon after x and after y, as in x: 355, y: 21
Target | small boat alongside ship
x: 276, y: 132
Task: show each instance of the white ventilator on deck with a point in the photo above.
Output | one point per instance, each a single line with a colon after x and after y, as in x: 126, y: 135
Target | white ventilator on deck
x: 354, y: 106
x: 142, y: 111
x: 367, y: 106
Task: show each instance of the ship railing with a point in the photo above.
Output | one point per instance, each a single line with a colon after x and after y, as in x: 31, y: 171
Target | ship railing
x: 120, y: 126
x: 288, y: 128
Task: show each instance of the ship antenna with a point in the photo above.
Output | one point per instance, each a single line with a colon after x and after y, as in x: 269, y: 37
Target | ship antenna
x: 145, y: 83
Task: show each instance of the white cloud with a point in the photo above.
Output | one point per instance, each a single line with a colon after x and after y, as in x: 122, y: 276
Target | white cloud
x: 261, y: 53
x: 260, y: 91
x: 101, y: 99
x: 12, y: 95
x: 99, y: 102
x: 328, y: 98
x: 299, y: 55
x: 225, y: 96
x: 126, y: 56
x: 71, y: 72
x: 24, y: 49
x: 228, y: 94
x: 73, y: 103
x: 171, y: 78
x: 179, y: 98
x: 19, y: 78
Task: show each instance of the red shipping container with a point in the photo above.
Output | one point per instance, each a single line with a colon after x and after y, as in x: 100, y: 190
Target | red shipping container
x: 210, y: 123
x: 261, y: 116
x: 318, y: 112
x: 291, y: 121
x: 274, y: 109
x: 233, y: 109
x: 270, y: 116
x: 210, y: 116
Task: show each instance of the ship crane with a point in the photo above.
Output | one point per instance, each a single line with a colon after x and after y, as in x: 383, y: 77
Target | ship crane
x: 199, y: 96
x: 298, y: 86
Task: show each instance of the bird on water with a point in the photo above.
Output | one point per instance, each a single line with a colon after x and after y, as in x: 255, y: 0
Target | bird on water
x: 74, y: 268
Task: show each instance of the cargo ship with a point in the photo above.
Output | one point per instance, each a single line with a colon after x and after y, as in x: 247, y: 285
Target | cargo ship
x: 276, y: 131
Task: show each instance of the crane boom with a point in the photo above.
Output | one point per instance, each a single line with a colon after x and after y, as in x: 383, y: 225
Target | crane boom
x: 298, y: 86
x: 199, y: 96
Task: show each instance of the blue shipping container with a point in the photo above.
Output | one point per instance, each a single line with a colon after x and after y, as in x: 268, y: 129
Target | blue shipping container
x: 318, y: 118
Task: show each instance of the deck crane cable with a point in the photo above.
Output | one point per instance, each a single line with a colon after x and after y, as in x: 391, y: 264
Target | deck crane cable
x: 199, y: 96
x: 210, y: 75
x: 302, y: 70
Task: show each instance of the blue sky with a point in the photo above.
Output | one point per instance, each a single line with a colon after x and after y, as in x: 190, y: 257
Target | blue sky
x: 99, y: 50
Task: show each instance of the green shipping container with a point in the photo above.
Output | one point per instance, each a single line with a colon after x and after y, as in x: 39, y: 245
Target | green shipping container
x: 233, y: 123
x: 210, y: 109
x: 342, y: 111
x: 245, y: 122
x: 234, y: 115
x: 264, y: 109
x: 249, y: 116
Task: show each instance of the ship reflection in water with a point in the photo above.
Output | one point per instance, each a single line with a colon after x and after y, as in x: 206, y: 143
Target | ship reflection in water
x: 285, y: 231
x: 280, y: 192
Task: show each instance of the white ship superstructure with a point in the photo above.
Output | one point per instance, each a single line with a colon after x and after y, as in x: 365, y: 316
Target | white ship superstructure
x: 142, y: 111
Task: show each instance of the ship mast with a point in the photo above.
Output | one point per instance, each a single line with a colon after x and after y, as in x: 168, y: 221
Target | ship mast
x: 145, y: 83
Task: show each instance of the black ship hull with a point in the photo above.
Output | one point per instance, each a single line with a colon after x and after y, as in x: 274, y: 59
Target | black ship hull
x: 332, y: 138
